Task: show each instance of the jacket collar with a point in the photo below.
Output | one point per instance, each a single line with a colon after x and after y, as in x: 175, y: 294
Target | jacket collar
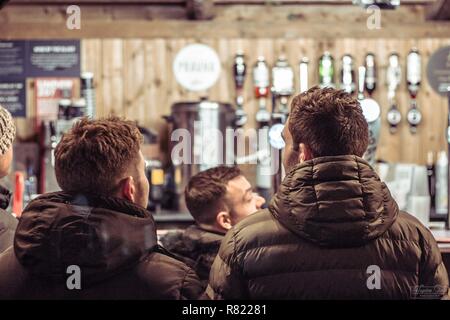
x: 335, y: 202
x: 102, y: 235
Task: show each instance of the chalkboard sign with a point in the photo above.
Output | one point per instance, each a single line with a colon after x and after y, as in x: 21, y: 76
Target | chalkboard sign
x: 13, y: 97
x: 22, y: 59
x: 438, y: 71
x: 53, y: 58
x: 12, y: 60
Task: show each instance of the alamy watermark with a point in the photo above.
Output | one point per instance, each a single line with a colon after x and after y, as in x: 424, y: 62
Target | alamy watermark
x: 374, y: 20
x: 73, y: 21
x: 208, y: 146
x: 374, y: 280
x: 73, y: 281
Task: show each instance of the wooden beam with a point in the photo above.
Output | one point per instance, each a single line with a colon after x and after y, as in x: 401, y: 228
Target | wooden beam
x: 214, y: 30
x: 217, y: 2
x: 200, y: 9
x: 439, y: 10
x: 234, y: 21
x: 3, y: 3
x: 95, y: 2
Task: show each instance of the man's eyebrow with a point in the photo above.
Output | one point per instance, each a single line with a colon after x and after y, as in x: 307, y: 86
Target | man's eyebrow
x: 247, y: 192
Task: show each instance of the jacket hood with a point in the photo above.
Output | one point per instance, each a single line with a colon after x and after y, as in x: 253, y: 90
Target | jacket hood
x: 102, y: 235
x: 334, y: 201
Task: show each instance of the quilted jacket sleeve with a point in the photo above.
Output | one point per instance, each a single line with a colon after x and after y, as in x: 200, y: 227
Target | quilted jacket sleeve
x: 226, y: 280
x: 433, y: 273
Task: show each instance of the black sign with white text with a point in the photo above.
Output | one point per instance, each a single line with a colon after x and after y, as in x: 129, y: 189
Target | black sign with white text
x: 53, y: 58
x: 12, y: 60
x: 13, y: 97
x: 438, y: 71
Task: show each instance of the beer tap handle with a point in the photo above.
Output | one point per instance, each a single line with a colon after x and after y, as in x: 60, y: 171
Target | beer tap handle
x: 361, y: 77
x: 304, y: 74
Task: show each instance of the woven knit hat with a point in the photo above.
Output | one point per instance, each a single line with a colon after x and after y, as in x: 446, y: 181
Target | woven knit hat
x: 7, y: 130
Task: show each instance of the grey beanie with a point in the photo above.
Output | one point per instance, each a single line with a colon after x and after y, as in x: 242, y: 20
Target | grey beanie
x: 7, y: 130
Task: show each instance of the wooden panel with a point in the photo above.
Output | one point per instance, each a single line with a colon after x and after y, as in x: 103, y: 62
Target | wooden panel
x: 134, y: 78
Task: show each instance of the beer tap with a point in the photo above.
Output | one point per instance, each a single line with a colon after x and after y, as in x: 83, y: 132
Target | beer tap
x: 48, y: 142
x: 393, y: 77
x: 261, y: 80
x: 347, y: 74
x: 239, y: 72
x: 88, y: 93
x: 413, y: 78
x: 372, y: 112
x: 326, y: 70
x: 282, y: 89
x: 371, y: 74
x: 303, y: 74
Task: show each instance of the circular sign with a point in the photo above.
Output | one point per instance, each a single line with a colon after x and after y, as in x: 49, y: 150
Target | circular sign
x: 371, y: 109
x: 438, y: 71
x: 196, y: 67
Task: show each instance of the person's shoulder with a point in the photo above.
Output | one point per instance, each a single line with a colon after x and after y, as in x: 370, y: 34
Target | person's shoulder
x: 259, y: 217
x: 409, y: 228
x: 258, y: 229
x: 164, y: 263
x: 170, y: 276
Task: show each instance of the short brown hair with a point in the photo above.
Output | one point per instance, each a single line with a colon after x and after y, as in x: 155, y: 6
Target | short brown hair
x: 205, y: 192
x: 329, y: 121
x: 94, y: 154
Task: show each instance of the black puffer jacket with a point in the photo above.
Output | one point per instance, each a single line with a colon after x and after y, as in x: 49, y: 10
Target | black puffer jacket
x: 328, y: 231
x: 196, y: 246
x: 8, y: 223
x: 111, y: 240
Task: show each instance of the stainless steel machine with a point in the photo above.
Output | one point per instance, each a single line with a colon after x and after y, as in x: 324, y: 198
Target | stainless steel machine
x: 199, y: 140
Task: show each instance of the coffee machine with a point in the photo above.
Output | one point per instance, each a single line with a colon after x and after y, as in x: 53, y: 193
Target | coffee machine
x: 199, y: 140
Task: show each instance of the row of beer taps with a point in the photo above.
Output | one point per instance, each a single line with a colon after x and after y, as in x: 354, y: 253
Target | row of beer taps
x: 279, y: 83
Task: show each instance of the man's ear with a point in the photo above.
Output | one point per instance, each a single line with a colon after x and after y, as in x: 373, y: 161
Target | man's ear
x: 304, y: 154
x: 128, y: 189
x: 223, y: 219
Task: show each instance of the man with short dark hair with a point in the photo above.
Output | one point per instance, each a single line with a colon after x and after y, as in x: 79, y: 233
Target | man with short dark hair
x: 217, y: 198
x: 95, y: 239
x: 332, y: 231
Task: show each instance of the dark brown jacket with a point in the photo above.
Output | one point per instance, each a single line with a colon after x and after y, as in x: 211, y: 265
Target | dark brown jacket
x: 331, y: 224
x: 111, y: 240
x: 8, y: 223
x: 196, y: 246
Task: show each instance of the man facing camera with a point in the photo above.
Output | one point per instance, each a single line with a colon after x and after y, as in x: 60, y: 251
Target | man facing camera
x: 95, y: 239
x: 333, y: 230
x: 217, y: 198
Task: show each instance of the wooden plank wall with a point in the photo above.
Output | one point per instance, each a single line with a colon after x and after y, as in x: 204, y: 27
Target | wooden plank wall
x: 134, y: 79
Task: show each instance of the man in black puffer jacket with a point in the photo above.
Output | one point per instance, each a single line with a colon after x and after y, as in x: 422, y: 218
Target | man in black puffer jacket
x: 332, y: 231
x: 95, y: 239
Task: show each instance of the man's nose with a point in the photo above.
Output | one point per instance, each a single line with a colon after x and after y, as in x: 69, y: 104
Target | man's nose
x: 259, y: 201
